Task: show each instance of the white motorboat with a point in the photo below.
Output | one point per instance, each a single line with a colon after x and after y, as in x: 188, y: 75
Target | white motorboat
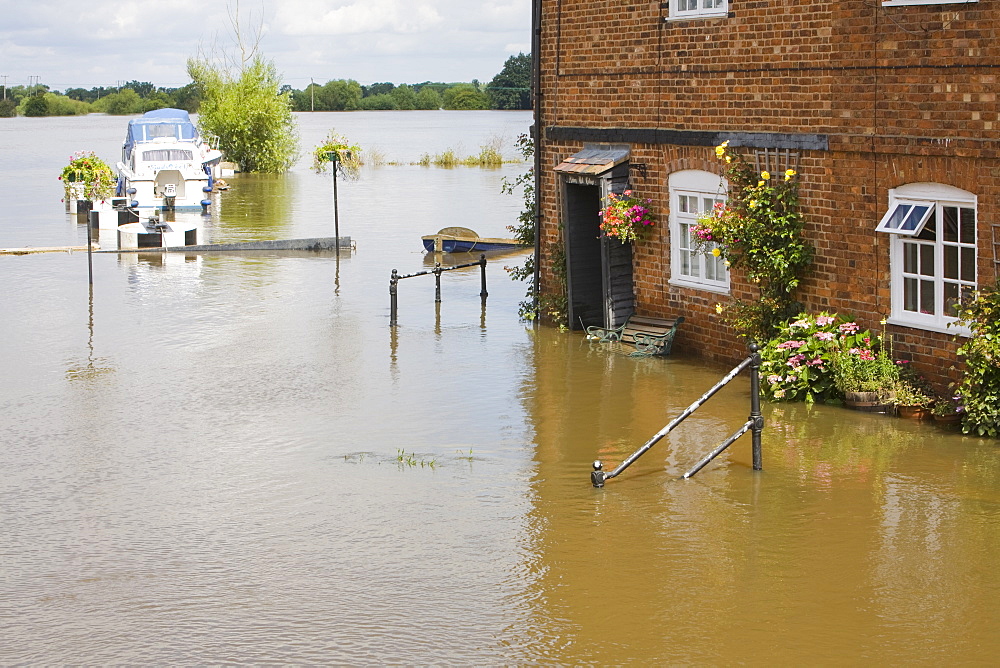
x: 165, y: 163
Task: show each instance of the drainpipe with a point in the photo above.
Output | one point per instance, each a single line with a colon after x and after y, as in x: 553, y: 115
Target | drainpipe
x: 536, y: 85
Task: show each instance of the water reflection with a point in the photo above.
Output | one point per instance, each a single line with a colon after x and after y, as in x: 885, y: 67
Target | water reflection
x: 257, y: 206
x: 208, y: 472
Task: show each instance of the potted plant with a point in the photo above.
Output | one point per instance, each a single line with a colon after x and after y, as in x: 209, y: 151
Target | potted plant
x: 335, y: 149
x: 86, y: 177
x: 868, y: 378
x: 947, y: 409
x: 626, y: 217
x: 912, y: 401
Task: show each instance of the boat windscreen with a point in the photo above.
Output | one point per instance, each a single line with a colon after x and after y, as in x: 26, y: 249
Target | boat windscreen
x: 162, y: 130
x: 168, y: 155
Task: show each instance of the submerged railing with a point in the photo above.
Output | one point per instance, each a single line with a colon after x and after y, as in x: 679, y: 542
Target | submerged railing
x: 754, y: 424
x: 395, y: 278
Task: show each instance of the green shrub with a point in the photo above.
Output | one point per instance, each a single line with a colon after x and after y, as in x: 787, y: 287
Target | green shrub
x: 797, y: 365
x: 980, y: 386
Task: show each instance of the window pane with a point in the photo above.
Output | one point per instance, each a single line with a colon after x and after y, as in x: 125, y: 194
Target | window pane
x: 950, y: 216
x: 968, y: 226
x: 969, y: 264
x: 926, y: 260
x: 898, y: 216
x: 909, y: 294
x: 929, y: 233
x: 914, y: 218
x: 950, y: 298
x: 685, y: 239
x: 951, y: 261
x: 927, y: 297
x: 910, y: 258
x: 689, y: 264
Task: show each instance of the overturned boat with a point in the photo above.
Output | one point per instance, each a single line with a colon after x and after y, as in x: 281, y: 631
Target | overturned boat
x: 165, y: 163
x: 464, y: 240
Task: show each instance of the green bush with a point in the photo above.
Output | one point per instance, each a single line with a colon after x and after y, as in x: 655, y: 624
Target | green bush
x: 980, y: 386
x: 247, y: 111
x: 797, y: 365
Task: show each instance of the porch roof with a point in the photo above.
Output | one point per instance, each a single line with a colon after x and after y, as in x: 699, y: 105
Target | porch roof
x: 594, y: 160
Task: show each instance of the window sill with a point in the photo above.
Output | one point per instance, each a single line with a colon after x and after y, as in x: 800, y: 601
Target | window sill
x: 716, y: 15
x: 694, y: 285
x: 941, y: 329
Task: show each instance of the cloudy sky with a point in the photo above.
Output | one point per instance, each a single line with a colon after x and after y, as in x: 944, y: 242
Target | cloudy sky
x: 86, y: 43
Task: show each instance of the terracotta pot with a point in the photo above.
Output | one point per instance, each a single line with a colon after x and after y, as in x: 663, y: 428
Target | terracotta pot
x: 951, y: 418
x: 913, y: 412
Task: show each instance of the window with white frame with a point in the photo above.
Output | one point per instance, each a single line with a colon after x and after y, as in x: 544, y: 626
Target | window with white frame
x: 680, y: 9
x: 932, y: 253
x: 693, y: 192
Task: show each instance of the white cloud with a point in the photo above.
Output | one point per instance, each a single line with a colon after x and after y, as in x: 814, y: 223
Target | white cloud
x: 359, y: 17
x: 99, y: 42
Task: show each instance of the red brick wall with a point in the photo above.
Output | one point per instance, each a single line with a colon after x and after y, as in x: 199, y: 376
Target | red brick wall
x: 904, y: 94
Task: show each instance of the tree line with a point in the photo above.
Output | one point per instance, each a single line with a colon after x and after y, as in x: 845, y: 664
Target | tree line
x: 509, y: 89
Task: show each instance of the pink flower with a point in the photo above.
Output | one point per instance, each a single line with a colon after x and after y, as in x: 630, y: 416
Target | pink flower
x: 848, y: 328
x: 824, y: 320
x: 825, y: 336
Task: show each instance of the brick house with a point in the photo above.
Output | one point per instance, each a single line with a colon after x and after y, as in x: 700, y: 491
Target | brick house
x: 886, y: 109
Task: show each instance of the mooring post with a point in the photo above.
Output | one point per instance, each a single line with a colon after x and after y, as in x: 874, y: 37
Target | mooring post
x: 92, y: 219
x: 482, y: 265
x: 437, y: 282
x: 393, y: 283
x: 755, y: 416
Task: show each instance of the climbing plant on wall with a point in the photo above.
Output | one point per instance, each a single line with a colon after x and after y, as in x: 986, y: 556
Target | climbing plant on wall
x: 758, y: 230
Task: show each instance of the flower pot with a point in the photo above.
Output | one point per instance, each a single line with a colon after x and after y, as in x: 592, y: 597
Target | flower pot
x: 870, y: 402
x: 951, y: 418
x: 913, y: 412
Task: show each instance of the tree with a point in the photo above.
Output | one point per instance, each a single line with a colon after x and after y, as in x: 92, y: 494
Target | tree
x: 248, y: 114
x: 380, y: 102
x: 35, y: 106
x: 339, y: 95
x: 511, y: 88
x: 428, y: 98
x: 404, y: 97
x: 120, y: 104
x: 378, y: 89
x: 465, y: 97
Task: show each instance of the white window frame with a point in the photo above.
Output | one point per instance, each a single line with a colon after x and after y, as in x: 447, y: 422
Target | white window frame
x: 915, y: 275
x: 680, y: 9
x: 704, y: 186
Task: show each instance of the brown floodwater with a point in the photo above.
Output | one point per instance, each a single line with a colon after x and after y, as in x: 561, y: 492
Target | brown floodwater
x: 232, y: 458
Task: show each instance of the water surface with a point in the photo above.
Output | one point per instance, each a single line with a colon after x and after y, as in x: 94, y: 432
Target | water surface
x: 231, y: 458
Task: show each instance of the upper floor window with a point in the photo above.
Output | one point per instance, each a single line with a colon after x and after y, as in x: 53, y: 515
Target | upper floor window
x: 694, y: 8
x: 932, y: 253
x: 693, y: 192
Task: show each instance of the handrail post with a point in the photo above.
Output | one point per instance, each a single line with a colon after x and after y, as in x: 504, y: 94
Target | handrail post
x: 755, y: 418
x: 482, y: 264
x: 92, y: 221
x: 437, y: 281
x: 393, y: 288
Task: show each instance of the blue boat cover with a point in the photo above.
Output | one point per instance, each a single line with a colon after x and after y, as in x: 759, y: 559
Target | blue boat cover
x: 174, y: 123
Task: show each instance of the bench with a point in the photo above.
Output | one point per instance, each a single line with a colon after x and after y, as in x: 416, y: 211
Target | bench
x: 649, y: 335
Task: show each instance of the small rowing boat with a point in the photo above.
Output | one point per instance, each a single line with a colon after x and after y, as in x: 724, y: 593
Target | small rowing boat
x: 464, y: 240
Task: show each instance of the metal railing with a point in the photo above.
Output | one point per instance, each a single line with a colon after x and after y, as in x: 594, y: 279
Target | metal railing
x: 754, y: 424
x: 395, y: 278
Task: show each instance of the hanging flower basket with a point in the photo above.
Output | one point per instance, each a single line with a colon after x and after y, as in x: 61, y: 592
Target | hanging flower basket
x: 87, y: 177
x: 626, y: 217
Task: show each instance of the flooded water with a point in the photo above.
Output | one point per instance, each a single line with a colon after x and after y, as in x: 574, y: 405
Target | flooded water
x: 232, y: 458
